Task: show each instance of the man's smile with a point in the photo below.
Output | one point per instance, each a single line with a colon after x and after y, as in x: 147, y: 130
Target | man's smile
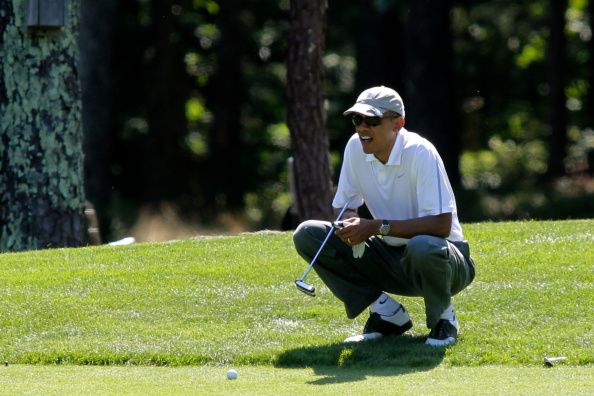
x: 365, y: 139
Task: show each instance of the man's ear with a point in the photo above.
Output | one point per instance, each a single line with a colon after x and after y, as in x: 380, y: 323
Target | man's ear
x: 400, y: 121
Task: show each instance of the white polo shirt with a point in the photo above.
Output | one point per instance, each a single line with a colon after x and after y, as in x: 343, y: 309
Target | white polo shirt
x: 413, y: 183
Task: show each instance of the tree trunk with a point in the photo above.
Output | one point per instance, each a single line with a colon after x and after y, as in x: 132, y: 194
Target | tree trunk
x: 41, y: 182
x: 429, y: 97
x: 557, y: 78
x: 306, y: 116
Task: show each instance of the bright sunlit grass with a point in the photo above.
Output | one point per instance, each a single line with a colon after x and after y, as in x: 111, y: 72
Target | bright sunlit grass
x: 266, y: 380
x: 231, y: 300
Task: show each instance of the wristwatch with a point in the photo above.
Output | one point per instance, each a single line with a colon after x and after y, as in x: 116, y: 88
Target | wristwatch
x: 385, y: 228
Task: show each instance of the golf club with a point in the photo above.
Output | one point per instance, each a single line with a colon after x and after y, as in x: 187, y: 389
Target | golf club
x: 300, y: 283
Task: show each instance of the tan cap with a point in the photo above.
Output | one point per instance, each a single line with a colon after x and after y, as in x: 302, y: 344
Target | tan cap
x: 376, y: 101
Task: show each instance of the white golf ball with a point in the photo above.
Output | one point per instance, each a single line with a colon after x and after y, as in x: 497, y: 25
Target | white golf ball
x: 232, y: 374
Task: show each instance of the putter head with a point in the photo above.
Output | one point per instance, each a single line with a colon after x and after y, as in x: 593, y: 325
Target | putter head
x: 550, y: 361
x: 305, y: 288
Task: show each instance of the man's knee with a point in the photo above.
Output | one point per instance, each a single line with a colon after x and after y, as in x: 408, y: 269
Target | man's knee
x: 426, y: 263
x: 421, y: 248
x: 307, y: 235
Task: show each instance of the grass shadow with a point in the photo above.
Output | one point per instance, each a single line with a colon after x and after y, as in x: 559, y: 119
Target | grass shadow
x: 340, y: 362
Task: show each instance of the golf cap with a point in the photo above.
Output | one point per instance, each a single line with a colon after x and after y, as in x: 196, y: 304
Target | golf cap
x: 376, y: 101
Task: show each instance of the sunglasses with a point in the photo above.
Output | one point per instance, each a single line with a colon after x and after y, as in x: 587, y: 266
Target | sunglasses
x: 358, y: 119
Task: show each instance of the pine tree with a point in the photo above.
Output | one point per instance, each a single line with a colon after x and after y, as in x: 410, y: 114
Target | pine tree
x: 41, y: 183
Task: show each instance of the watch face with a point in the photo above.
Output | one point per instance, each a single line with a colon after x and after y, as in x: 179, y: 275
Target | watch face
x: 385, y: 228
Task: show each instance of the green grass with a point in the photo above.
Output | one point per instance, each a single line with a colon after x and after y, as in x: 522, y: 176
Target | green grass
x: 266, y: 380
x: 231, y: 301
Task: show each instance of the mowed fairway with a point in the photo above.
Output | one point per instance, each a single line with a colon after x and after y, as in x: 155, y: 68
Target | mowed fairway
x: 173, y: 317
x: 204, y: 380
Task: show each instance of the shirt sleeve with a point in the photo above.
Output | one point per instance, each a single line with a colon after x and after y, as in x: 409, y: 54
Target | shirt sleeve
x: 434, y: 193
x: 348, y: 189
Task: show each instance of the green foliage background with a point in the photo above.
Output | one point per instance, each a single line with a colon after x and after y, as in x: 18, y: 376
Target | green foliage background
x: 501, y: 96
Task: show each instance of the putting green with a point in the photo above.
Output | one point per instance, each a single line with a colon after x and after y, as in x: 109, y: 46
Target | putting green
x: 133, y: 380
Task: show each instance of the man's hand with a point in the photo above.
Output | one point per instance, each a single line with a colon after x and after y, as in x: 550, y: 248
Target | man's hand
x: 348, y: 213
x: 355, y: 230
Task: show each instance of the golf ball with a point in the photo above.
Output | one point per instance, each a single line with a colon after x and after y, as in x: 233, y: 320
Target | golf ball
x: 232, y: 374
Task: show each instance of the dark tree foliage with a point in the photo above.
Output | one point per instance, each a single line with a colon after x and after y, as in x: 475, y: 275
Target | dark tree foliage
x: 381, y: 54
x: 227, y: 97
x: 429, y: 100
x: 152, y: 163
x: 200, y: 111
x: 557, y: 72
x: 95, y: 61
x: 589, y: 75
x: 195, y: 87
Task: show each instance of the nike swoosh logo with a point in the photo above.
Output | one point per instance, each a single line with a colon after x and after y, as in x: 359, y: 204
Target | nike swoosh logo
x: 383, y: 302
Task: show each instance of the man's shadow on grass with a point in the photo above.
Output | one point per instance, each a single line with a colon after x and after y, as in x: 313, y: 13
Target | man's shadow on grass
x: 350, y: 362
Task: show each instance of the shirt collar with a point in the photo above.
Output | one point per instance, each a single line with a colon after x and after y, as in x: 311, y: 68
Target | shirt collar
x: 396, y: 153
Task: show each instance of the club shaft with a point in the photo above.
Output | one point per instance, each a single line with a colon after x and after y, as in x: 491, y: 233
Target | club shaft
x: 317, y: 254
x: 324, y: 243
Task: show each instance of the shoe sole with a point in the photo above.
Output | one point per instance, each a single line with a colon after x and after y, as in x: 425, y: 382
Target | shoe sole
x: 375, y: 335
x: 363, y: 337
x: 440, y: 343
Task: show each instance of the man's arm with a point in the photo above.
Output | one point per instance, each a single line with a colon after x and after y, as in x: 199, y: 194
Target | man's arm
x: 438, y: 225
x: 358, y: 230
